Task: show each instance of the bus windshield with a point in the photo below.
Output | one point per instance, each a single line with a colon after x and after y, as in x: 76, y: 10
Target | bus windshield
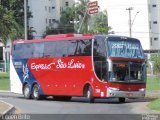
x: 124, y: 47
x: 132, y: 72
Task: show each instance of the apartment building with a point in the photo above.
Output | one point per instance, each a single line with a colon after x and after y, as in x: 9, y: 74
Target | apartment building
x: 154, y: 23
x: 45, y: 13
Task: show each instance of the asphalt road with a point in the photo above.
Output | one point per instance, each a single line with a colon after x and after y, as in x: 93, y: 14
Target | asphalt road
x: 79, y: 108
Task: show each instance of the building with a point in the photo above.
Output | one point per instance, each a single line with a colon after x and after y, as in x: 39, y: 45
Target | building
x: 154, y: 23
x: 118, y: 18
x: 45, y: 13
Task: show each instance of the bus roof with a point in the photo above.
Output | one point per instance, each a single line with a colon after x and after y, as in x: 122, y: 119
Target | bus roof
x: 117, y: 36
x: 58, y: 37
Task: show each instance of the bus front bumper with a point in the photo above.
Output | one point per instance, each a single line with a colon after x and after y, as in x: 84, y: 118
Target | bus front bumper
x: 114, y: 92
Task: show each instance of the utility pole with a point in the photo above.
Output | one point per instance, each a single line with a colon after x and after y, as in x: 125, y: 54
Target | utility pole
x: 25, y: 19
x: 130, y: 22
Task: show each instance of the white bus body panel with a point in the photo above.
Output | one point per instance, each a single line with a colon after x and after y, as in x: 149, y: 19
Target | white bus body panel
x: 15, y: 82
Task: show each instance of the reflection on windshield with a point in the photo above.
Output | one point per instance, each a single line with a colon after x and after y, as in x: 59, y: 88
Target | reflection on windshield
x: 127, y: 72
x: 130, y: 48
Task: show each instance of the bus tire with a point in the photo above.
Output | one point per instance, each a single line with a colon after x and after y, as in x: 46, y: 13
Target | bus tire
x: 121, y: 100
x: 35, y: 92
x: 26, y: 92
x: 89, y: 96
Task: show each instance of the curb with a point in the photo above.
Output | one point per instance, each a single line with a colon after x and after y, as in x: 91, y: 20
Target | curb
x: 5, y: 91
x: 8, y: 111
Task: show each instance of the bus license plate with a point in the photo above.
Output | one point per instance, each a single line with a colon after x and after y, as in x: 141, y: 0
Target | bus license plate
x: 129, y: 94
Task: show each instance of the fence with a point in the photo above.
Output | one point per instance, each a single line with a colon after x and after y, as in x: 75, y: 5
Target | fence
x: 2, y: 67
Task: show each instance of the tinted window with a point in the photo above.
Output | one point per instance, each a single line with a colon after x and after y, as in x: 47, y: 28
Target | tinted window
x: 50, y: 49
x: 71, y: 48
x: 124, y: 47
x: 38, y: 50
x: 56, y: 49
x: 99, y: 56
x: 99, y: 50
x: 53, y: 49
x: 67, y: 48
x: 83, y: 47
x: 23, y: 51
x: 61, y: 48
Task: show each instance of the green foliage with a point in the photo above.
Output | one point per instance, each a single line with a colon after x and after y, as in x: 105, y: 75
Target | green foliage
x: 4, y: 81
x: 154, y: 105
x: 76, y: 18
x: 156, y: 60
x: 153, y: 83
x: 101, y: 23
x: 67, y: 15
x: 82, y: 15
x: 8, y: 25
x: 17, y: 8
x: 11, y: 19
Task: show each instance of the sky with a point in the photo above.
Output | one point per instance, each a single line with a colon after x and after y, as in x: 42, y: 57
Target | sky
x: 118, y: 18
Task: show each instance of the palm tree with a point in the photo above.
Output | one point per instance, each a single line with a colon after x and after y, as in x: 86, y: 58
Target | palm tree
x: 101, y: 23
x: 8, y: 27
x: 82, y: 14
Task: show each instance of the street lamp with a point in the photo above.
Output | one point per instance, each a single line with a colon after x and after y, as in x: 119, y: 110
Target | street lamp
x: 134, y: 18
x: 130, y: 20
x: 75, y: 23
x: 25, y: 19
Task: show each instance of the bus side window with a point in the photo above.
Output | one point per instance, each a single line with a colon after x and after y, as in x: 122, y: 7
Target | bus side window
x: 38, y: 50
x: 99, y: 57
x: 49, y: 49
x: 83, y: 47
x: 17, y: 51
x: 28, y: 50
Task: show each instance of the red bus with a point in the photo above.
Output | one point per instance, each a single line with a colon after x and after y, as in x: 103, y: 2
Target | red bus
x: 66, y: 65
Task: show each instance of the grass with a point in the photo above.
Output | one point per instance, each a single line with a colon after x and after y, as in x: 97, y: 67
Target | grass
x: 154, y: 105
x: 153, y: 83
x: 4, y: 81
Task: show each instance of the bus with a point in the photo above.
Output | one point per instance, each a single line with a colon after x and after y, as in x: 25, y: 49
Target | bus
x: 67, y: 65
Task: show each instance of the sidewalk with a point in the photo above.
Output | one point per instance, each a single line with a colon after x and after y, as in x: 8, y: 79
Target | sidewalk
x: 153, y: 93
x: 6, y: 108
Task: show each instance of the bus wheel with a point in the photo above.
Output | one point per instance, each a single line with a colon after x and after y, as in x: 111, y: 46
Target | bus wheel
x: 89, y: 96
x: 122, y: 100
x: 26, y: 92
x: 35, y: 92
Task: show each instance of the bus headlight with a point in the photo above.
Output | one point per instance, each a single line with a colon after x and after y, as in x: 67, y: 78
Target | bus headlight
x: 114, y: 89
x: 142, y: 89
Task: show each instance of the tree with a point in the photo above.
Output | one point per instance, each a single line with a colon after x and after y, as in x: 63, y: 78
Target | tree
x: 11, y: 25
x: 100, y: 23
x: 156, y: 60
x: 81, y: 9
x: 76, y: 19
x: 16, y: 8
x: 65, y: 24
x: 66, y: 19
x: 8, y: 25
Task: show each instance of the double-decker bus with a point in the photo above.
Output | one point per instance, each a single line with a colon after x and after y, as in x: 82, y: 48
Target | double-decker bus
x: 66, y: 65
